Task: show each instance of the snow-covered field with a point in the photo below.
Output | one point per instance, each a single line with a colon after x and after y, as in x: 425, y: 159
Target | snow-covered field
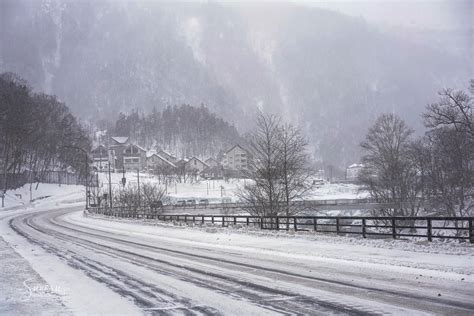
x: 216, y: 190
x: 91, y: 265
x: 213, y: 190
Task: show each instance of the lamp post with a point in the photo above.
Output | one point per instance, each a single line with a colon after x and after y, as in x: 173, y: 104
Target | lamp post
x: 138, y: 180
x: 87, y: 170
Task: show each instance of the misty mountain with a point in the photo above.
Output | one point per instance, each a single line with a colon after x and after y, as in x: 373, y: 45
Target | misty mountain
x: 329, y: 73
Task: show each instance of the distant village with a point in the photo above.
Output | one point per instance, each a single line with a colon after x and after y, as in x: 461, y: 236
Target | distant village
x: 122, y: 154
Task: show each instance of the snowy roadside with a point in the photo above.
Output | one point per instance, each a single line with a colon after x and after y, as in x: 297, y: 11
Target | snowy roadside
x: 23, y: 291
x: 55, y: 287
x: 46, y: 194
x: 450, y: 260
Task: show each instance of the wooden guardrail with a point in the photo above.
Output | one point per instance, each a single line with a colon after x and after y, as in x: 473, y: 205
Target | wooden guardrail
x: 460, y: 228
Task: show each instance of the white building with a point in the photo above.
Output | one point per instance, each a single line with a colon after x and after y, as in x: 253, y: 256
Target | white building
x: 353, y: 171
x: 236, y: 158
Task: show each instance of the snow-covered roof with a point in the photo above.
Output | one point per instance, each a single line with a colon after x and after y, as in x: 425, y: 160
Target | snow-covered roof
x: 164, y: 159
x: 205, y: 164
x: 120, y: 140
x: 139, y: 147
x: 166, y: 153
x: 150, y: 153
x: 235, y: 147
x: 355, y: 165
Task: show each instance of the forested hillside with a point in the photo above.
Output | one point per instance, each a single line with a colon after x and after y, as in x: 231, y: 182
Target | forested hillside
x: 327, y: 72
x: 182, y: 130
x: 37, y: 132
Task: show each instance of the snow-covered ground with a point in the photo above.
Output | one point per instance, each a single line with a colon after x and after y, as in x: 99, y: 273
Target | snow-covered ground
x: 36, y: 282
x: 43, y: 194
x: 334, y: 191
x: 216, y: 190
x: 445, y: 257
x: 92, y: 265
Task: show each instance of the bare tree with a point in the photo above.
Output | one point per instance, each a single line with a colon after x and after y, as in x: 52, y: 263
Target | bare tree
x: 294, y: 164
x: 454, y: 110
x: 389, y: 174
x: 134, y: 200
x: 151, y: 193
x: 264, y: 195
x: 279, y: 168
x: 451, y: 144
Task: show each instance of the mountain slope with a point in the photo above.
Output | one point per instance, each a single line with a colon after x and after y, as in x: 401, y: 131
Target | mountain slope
x: 329, y: 73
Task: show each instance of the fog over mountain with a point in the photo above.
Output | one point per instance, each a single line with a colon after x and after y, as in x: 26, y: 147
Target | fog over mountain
x: 328, y: 72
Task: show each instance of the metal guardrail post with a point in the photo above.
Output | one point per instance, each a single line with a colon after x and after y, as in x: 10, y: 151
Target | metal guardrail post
x: 429, y: 228
x: 278, y: 223
x: 295, y: 223
x: 363, y: 228
x: 315, y: 224
x: 337, y: 225
x: 471, y: 232
x: 394, y: 229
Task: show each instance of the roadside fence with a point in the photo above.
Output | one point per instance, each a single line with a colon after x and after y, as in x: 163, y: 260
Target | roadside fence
x: 458, y: 228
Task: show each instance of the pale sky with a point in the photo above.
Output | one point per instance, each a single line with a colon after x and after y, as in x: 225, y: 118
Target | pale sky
x: 432, y: 14
x: 423, y: 14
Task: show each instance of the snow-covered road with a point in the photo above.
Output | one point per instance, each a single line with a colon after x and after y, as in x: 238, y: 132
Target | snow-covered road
x: 174, y: 270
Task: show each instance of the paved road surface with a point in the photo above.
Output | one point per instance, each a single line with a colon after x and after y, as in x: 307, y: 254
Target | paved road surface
x: 172, y: 277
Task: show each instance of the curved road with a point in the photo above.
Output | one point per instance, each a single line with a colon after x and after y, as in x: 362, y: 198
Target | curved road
x: 169, y: 276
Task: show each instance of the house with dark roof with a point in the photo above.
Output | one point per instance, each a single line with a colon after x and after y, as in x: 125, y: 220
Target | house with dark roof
x: 195, y: 164
x: 156, y: 161
x: 134, y: 157
x: 211, y: 162
x: 117, y: 144
x: 167, y: 156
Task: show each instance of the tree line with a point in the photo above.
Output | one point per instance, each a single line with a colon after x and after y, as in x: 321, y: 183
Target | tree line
x: 37, y: 132
x: 432, y: 173
x: 183, y: 130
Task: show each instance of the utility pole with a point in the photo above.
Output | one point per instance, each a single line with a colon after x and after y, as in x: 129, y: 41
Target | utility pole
x: 138, y: 180
x: 87, y: 170
x: 110, y: 188
x: 86, y: 178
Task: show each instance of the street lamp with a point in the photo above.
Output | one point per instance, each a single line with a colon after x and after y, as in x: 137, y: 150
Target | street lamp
x: 87, y: 169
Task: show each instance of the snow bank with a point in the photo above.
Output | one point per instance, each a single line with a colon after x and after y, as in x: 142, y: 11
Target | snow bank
x: 46, y: 192
x: 440, y: 259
